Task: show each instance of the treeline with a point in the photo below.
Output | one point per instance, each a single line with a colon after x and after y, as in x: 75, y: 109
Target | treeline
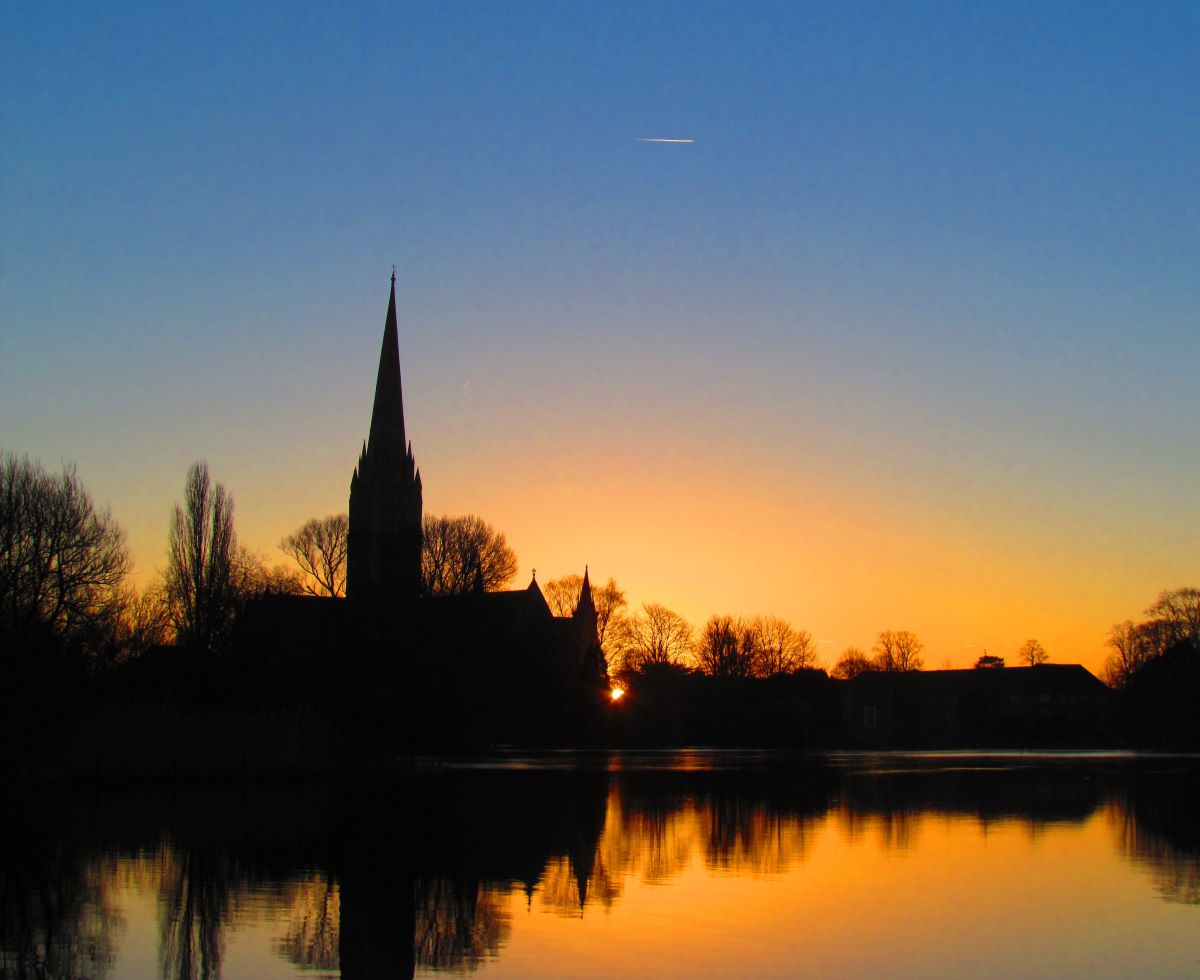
x: 1155, y: 667
x: 65, y: 586
x: 1173, y: 621
x: 67, y: 602
x: 655, y: 637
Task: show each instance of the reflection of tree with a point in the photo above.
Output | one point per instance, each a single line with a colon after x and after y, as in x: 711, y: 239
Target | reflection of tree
x: 56, y: 919
x: 438, y: 896
x: 898, y: 829
x: 567, y: 888
x: 894, y: 800
x: 747, y: 836
x: 1157, y: 828
x: 312, y: 938
x: 458, y: 926
x: 561, y: 888
x: 194, y: 903
x: 657, y: 842
x: 651, y: 844
x: 652, y: 834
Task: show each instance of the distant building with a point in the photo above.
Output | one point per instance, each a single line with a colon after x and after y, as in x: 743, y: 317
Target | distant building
x: 1050, y: 703
x: 485, y: 664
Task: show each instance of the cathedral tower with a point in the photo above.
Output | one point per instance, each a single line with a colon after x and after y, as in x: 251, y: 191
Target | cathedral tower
x: 383, y: 561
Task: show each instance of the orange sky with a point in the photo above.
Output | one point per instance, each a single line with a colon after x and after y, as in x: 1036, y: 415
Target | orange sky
x: 905, y: 339
x: 708, y: 524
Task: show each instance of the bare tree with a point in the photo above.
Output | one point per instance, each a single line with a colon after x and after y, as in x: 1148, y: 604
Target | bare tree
x: 609, y: 601
x: 62, y: 562
x: 780, y: 648
x: 562, y: 594
x: 654, y: 637
x: 1179, y: 612
x: 318, y: 546
x: 898, y: 651
x: 460, y: 554
x: 1129, y: 651
x: 253, y: 578
x: 1174, y: 618
x: 726, y: 648
x: 1032, y: 653
x: 1155, y: 637
x: 145, y: 620
x: 853, y: 662
x: 202, y: 572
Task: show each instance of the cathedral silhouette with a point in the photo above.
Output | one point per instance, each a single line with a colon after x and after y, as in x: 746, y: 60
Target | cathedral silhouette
x: 480, y: 666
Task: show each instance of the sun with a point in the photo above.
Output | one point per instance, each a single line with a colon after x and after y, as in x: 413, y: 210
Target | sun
x: 617, y: 693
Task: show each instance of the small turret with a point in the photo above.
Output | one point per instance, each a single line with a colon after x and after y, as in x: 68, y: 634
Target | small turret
x: 584, y: 606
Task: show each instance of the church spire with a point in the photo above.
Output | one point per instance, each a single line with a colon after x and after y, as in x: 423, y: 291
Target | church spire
x: 383, y: 547
x: 386, y: 440
x: 584, y: 606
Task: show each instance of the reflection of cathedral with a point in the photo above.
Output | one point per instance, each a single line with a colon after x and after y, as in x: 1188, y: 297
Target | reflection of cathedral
x: 382, y: 879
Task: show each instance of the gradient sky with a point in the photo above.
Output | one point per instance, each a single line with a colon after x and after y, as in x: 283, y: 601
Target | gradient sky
x: 908, y: 337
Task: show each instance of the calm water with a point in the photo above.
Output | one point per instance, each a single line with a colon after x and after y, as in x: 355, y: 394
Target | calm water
x: 674, y: 864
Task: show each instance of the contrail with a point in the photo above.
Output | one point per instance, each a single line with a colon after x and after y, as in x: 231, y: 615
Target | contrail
x: 660, y: 139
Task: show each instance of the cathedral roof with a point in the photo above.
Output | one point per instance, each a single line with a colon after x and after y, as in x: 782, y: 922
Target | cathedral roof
x: 485, y: 613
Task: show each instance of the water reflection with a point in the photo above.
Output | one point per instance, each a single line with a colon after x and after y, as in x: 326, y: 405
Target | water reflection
x: 1158, y: 827
x: 57, y: 918
x: 430, y: 873
x: 310, y: 940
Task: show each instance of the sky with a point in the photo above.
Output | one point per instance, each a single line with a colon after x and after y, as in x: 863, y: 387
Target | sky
x: 907, y: 338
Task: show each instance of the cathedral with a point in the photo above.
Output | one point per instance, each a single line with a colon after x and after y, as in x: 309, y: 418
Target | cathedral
x: 490, y: 666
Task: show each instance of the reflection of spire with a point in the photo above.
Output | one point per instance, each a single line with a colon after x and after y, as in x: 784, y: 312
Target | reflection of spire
x: 583, y: 873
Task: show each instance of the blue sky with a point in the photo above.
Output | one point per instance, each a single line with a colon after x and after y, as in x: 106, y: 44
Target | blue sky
x: 928, y: 270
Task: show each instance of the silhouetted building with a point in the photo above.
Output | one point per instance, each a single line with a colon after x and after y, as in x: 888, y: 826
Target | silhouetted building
x: 383, y: 561
x: 486, y: 665
x: 1049, y: 703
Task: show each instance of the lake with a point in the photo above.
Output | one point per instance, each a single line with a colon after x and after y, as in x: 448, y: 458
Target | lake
x: 684, y: 863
